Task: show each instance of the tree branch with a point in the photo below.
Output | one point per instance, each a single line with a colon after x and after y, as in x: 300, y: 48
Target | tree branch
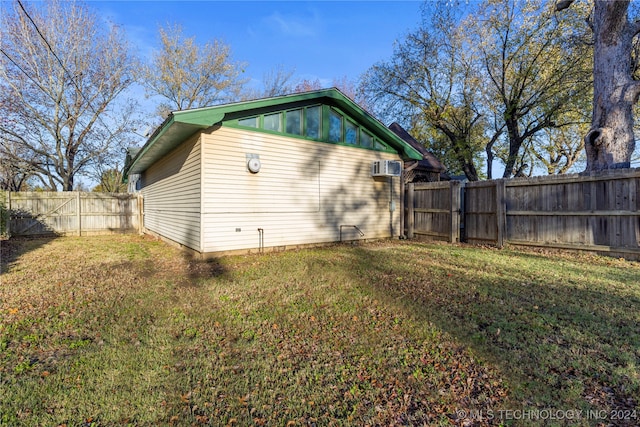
x: 563, y: 4
x: 634, y: 28
x: 632, y: 91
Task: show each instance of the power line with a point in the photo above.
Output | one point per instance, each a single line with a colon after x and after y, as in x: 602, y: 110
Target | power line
x: 26, y: 74
x: 42, y: 36
x: 34, y: 81
x: 64, y: 69
x: 66, y: 72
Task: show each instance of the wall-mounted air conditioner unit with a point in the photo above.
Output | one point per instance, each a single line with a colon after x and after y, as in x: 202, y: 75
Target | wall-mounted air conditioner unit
x: 386, y: 168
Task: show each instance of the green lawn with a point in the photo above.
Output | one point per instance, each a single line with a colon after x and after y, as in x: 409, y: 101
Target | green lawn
x: 121, y: 330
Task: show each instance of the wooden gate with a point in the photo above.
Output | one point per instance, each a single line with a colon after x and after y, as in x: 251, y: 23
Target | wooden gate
x: 433, y: 209
x: 75, y: 213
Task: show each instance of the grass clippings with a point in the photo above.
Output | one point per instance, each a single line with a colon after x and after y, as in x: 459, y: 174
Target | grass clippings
x: 124, y: 330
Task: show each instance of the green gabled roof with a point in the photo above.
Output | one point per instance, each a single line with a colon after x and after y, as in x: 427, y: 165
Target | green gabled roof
x: 180, y: 125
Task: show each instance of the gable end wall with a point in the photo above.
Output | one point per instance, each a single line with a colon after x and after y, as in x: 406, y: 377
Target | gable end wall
x: 172, y: 193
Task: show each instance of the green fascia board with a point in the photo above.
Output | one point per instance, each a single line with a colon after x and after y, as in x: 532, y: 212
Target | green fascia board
x: 180, y: 125
x: 202, y: 117
x: 339, y: 100
x: 171, y: 134
x: 176, y: 129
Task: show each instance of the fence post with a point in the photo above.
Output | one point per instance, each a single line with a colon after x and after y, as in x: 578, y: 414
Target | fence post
x: 410, y: 212
x: 403, y: 212
x: 79, y: 214
x: 8, y: 215
x: 501, y: 207
x: 454, y: 197
x: 140, y: 214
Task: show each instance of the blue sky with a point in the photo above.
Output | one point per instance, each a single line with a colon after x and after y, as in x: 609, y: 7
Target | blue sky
x: 322, y: 40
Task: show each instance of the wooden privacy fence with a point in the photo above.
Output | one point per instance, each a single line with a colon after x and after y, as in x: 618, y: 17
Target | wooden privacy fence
x: 598, y: 212
x: 73, y: 212
x: 433, y: 209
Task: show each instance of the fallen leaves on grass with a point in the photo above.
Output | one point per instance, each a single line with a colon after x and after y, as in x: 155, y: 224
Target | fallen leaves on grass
x: 386, y: 334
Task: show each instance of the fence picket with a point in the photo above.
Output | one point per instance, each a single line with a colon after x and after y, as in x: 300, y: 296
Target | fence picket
x: 599, y: 212
x: 38, y: 213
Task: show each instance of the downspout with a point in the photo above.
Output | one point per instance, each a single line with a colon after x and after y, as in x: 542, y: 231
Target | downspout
x: 392, y: 206
x: 402, y: 202
x: 261, y: 240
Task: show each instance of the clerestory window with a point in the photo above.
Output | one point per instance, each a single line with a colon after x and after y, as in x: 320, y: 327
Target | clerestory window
x: 317, y: 122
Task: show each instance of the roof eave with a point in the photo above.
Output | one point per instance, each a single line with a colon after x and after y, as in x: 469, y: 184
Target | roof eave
x: 181, y: 125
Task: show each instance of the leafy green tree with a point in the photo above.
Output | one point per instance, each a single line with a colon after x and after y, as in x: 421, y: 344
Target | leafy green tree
x: 560, y: 150
x: 430, y: 80
x: 493, y: 83
x: 535, y: 70
x: 111, y: 182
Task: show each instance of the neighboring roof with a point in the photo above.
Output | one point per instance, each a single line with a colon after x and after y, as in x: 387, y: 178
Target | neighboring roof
x: 180, y: 125
x: 429, y: 161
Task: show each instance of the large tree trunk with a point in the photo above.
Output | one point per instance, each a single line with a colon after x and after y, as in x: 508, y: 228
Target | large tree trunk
x: 515, y: 142
x: 610, y: 141
x: 465, y: 159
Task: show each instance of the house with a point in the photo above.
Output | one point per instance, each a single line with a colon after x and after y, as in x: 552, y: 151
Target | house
x: 428, y: 168
x: 287, y: 171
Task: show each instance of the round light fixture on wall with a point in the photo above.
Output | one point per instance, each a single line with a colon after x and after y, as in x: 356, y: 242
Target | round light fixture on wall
x: 254, y: 165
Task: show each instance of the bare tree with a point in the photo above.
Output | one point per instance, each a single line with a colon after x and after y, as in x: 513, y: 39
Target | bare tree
x: 610, y: 142
x: 306, y: 85
x: 15, y: 169
x: 275, y: 82
x: 351, y: 89
x: 187, y: 75
x: 278, y: 82
x: 62, y: 75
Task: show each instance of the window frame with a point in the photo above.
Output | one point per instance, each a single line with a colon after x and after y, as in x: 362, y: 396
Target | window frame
x: 368, y: 135
x: 340, y: 117
x: 324, y: 117
x: 280, y: 115
x: 256, y: 118
x: 346, y: 123
x: 306, y: 124
x: 300, y: 122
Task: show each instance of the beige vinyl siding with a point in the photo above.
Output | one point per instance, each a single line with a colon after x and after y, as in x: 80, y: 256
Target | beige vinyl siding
x: 172, y: 194
x: 304, y: 191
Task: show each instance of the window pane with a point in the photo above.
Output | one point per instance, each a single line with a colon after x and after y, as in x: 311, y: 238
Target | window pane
x: 350, y: 133
x: 313, y: 122
x: 366, y: 140
x: 273, y: 122
x: 294, y: 122
x: 335, y: 127
x: 380, y: 146
x: 251, y: 122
